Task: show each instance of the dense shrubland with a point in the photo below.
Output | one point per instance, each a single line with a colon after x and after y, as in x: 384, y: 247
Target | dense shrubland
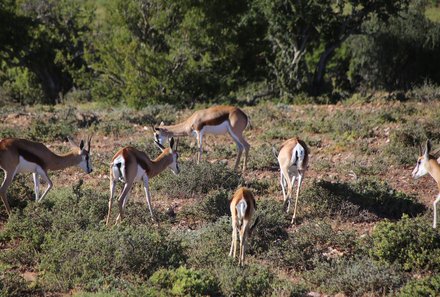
x: 140, y: 52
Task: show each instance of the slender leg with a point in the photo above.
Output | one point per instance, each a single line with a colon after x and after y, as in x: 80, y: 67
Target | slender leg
x: 283, y: 183
x: 289, y: 182
x: 36, y: 185
x: 300, y: 178
x: 148, y: 195
x: 233, y: 241
x: 110, y: 201
x: 121, y: 198
x: 246, y: 153
x: 435, y: 211
x: 239, y: 153
x: 49, y: 184
x: 6, y: 183
x: 200, y: 144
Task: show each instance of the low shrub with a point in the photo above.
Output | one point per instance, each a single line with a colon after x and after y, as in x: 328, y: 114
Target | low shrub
x: 428, y: 286
x: 251, y: 280
x: 358, y: 276
x: 183, y: 282
x: 90, y: 259
x: 311, y: 243
x: 263, y: 158
x: 13, y: 285
x: 361, y: 201
x: 208, y: 246
x: 51, y: 129
x: 412, y: 243
x: 209, y: 209
x: 196, y: 179
x: 271, y: 227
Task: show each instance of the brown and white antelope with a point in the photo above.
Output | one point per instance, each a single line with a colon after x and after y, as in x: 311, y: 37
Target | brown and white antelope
x: 213, y: 120
x: 293, y: 159
x: 426, y: 163
x: 242, y: 207
x: 21, y: 156
x: 131, y: 165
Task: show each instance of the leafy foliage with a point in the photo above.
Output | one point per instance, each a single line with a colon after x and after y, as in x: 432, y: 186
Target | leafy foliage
x: 355, y: 277
x: 412, y: 243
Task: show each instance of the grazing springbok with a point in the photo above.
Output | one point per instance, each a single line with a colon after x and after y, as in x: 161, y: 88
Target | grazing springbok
x: 21, y: 155
x: 242, y: 207
x: 426, y: 163
x: 213, y: 120
x: 293, y: 159
x: 131, y: 165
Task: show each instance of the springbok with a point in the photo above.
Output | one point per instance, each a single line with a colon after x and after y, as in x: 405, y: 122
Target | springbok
x: 293, y: 159
x: 21, y: 155
x: 131, y: 165
x: 426, y: 163
x: 213, y: 120
x: 242, y: 207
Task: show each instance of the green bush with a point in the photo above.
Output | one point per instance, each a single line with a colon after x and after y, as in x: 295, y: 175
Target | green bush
x: 271, y: 227
x: 63, y: 211
x: 310, y: 243
x: 90, y: 259
x: 13, y: 285
x: 184, y: 282
x: 404, y: 142
x: 355, y: 277
x: 363, y: 200
x: 50, y: 130
x: 252, y: 280
x: 208, y: 246
x: 196, y: 179
x: 412, y: 243
x: 426, y: 287
x: 212, y: 207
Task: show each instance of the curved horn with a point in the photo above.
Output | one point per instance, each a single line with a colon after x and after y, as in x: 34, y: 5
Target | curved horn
x: 428, y: 147
x: 89, y: 140
x: 177, y: 144
x: 420, y: 150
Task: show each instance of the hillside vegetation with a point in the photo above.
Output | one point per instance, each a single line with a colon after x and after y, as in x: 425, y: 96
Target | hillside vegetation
x: 363, y: 228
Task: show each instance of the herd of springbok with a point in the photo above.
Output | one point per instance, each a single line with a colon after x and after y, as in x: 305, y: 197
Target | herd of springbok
x: 130, y: 165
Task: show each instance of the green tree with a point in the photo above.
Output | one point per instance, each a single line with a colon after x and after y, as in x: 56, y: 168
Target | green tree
x: 317, y: 28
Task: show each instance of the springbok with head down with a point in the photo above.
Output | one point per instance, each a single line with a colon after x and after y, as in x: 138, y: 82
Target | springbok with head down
x: 426, y: 163
x: 293, y: 159
x: 131, y: 165
x: 242, y: 207
x: 21, y: 156
x: 213, y: 120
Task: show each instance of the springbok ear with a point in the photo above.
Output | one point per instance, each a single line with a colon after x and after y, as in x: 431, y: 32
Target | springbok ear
x: 161, y: 147
x: 72, y: 142
x: 162, y: 124
x: 171, y: 142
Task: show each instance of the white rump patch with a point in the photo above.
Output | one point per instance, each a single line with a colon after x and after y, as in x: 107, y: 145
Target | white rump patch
x: 298, y: 155
x: 241, y: 209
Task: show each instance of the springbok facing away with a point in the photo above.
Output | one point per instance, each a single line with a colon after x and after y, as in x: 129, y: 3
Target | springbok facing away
x: 426, y: 163
x: 242, y: 207
x: 213, y: 120
x: 21, y: 155
x: 293, y: 159
x: 131, y: 165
